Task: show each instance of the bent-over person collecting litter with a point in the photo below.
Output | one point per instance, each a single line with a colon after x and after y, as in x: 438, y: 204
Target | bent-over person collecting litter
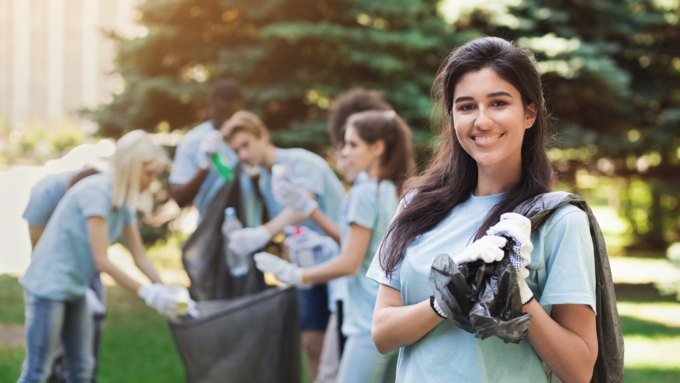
x: 90, y: 217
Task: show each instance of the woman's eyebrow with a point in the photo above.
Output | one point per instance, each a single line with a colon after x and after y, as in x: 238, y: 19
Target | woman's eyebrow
x: 464, y: 98
x: 496, y: 94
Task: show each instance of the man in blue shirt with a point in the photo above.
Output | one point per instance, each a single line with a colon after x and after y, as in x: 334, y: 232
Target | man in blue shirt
x: 193, y: 179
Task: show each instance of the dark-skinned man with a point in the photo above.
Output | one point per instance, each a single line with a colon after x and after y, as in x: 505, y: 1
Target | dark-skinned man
x: 194, y: 179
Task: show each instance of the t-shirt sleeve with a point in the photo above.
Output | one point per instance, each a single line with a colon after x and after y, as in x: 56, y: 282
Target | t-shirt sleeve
x: 362, y: 207
x: 570, y: 261
x: 311, y: 176
x: 39, y: 208
x: 375, y: 271
x: 94, y: 203
x: 184, y: 167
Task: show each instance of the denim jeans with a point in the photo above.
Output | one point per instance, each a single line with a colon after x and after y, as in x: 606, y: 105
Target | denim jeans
x: 46, y: 321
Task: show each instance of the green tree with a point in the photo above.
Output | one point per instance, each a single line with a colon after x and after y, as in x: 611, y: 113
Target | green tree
x: 612, y: 73
x: 291, y: 56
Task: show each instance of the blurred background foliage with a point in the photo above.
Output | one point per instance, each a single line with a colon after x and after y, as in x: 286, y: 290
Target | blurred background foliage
x: 610, y: 67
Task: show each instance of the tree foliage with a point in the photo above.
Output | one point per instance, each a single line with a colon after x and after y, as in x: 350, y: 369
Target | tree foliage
x: 291, y: 57
x: 612, y: 74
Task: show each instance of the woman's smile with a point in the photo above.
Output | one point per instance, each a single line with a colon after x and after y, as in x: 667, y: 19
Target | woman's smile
x: 485, y: 140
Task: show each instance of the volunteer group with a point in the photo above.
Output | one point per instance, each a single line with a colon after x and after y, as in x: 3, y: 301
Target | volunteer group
x: 368, y: 314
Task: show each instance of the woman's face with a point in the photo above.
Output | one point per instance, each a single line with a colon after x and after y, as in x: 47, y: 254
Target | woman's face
x: 490, y: 119
x: 349, y: 174
x: 360, y: 155
x: 149, y: 172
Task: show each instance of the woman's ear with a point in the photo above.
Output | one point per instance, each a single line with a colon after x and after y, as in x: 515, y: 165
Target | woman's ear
x: 530, y: 113
x: 378, y: 148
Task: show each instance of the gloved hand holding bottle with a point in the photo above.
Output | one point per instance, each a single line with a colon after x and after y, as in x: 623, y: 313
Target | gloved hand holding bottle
x: 289, y: 191
x: 245, y: 241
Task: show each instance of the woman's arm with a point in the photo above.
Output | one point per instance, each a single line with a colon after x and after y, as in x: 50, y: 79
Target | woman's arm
x: 349, y: 260
x: 287, y: 216
x: 133, y: 241
x: 99, y: 242
x: 326, y: 224
x: 35, y: 232
x: 567, y: 341
x: 396, y: 325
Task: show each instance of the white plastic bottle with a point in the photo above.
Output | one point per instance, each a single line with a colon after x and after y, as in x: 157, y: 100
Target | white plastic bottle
x: 238, y: 266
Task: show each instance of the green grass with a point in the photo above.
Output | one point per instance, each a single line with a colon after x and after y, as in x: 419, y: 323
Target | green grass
x: 138, y: 346
x: 12, y: 298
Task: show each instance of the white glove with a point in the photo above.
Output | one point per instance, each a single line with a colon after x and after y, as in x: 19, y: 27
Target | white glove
x: 245, y: 241
x: 166, y: 299
x: 289, y: 191
x: 208, y: 147
x: 285, y: 271
x: 488, y: 248
x: 94, y: 305
x: 183, y: 303
x: 158, y: 297
x: 518, y: 227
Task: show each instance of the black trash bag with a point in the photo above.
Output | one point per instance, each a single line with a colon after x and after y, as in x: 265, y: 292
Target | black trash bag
x: 455, y: 288
x: 609, y: 364
x: 246, y: 332
x: 203, y: 253
x: 249, y: 339
x: 481, y: 298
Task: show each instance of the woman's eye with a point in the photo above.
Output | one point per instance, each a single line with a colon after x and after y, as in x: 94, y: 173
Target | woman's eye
x: 466, y: 108
x: 499, y: 103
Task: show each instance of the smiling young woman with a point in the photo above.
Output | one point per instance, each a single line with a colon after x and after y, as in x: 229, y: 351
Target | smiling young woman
x: 491, y: 157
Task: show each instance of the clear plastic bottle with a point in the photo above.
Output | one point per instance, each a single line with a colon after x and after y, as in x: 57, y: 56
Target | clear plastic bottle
x: 238, y: 266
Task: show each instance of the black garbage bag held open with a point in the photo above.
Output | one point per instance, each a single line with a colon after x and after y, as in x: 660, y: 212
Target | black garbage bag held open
x: 246, y: 332
x: 482, y: 298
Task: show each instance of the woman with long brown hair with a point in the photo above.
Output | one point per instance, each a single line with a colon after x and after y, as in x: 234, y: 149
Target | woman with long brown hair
x: 378, y: 143
x: 491, y: 157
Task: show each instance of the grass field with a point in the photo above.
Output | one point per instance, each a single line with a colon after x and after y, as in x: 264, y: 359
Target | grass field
x: 138, y: 346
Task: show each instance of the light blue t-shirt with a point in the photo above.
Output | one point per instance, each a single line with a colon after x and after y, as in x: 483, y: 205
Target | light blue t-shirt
x: 185, y: 167
x: 562, y: 271
x: 62, y: 264
x: 317, y: 178
x: 45, y: 196
x: 370, y: 205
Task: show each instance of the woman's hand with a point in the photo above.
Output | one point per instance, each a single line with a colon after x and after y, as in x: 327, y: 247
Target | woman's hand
x: 517, y: 227
x: 488, y: 248
x: 285, y: 271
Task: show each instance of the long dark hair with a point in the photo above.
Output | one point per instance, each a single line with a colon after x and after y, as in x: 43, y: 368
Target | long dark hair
x: 451, y: 177
x: 397, y: 161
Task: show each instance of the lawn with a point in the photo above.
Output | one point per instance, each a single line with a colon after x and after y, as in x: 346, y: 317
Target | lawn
x: 138, y: 346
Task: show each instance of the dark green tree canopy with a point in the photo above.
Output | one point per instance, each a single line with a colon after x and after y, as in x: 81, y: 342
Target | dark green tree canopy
x: 291, y: 57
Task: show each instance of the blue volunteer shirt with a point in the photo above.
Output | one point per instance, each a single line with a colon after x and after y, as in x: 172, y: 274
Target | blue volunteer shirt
x: 62, y: 264
x: 562, y: 271
x: 185, y: 167
x: 317, y: 178
x: 370, y: 205
x: 45, y: 196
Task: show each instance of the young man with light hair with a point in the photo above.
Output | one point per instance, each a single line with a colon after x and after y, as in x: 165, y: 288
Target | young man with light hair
x: 249, y: 138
